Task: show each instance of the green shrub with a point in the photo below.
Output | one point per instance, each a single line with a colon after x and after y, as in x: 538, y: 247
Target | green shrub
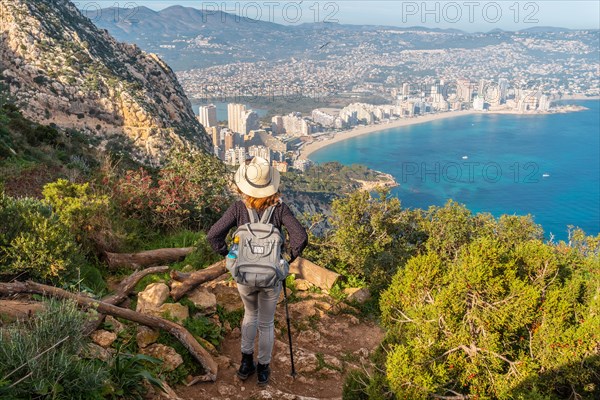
x: 358, y: 385
x: 87, y: 214
x: 372, y: 237
x: 493, y: 312
x: 203, y: 327
x: 36, y: 242
x: 46, y: 372
x: 127, y: 373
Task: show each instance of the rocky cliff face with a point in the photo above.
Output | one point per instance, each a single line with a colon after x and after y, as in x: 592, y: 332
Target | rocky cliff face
x: 62, y: 69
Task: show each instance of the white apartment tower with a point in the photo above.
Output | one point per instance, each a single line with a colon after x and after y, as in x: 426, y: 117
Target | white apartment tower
x: 207, y: 115
x: 234, y: 116
x: 464, y: 90
x: 260, y: 151
x: 249, y: 121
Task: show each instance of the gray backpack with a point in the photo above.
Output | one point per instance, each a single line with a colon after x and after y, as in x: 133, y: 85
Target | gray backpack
x: 259, y: 262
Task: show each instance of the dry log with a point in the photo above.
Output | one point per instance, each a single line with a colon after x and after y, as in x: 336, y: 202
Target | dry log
x: 147, y: 258
x: 197, y: 278
x: 205, y: 359
x: 125, y: 287
x: 318, y: 276
x: 19, y: 309
x: 179, y: 276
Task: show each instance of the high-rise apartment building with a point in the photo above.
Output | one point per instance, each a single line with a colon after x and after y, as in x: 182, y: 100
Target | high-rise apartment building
x: 215, y: 134
x: 229, y: 140
x: 207, y: 115
x: 295, y: 125
x: 277, y: 125
x: 478, y: 103
x: 503, y: 87
x: 464, y: 90
x: 234, y: 116
x: 249, y: 121
x: 260, y: 151
x: 544, y: 104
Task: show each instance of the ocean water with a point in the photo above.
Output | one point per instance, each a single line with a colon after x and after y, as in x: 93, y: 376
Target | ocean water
x: 544, y: 165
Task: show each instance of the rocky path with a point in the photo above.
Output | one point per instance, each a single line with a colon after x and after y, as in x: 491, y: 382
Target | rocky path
x: 328, y: 339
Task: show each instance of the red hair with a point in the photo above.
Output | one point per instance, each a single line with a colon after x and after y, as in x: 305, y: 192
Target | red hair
x: 262, y: 203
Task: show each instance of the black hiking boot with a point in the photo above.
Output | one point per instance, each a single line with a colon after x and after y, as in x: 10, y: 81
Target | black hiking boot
x: 247, y: 367
x: 263, y: 374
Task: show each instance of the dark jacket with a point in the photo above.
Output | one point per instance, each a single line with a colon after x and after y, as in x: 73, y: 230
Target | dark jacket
x: 237, y: 215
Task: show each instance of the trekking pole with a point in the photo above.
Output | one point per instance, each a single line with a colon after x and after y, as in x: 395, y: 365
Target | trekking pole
x: 287, y: 317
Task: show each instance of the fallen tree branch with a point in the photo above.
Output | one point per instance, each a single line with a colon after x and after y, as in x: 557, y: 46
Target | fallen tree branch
x: 190, y: 343
x: 179, y: 276
x: 196, y: 278
x: 125, y: 287
x: 318, y: 276
x: 19, y: 309
x: 147, y: 258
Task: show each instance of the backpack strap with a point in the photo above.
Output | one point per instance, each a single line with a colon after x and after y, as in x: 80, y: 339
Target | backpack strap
x: 266, y: 218
x: 253, y: 215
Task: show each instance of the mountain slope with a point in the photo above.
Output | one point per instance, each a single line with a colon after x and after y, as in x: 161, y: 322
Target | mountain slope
x: 64, y: 70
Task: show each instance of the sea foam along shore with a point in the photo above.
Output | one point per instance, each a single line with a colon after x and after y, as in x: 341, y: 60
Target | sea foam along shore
x: 336, y: 137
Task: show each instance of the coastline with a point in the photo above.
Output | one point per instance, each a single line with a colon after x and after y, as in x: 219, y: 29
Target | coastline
x: 577, y: 97
x: 337, y: 137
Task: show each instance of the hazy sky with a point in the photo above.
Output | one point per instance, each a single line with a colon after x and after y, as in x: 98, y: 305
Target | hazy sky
x: 467, y: 15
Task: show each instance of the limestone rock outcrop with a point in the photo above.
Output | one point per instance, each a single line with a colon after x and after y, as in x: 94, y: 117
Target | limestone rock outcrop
x: 62, y: 69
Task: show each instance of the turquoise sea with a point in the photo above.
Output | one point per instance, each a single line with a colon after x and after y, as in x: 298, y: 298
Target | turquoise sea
x: 544, y: 165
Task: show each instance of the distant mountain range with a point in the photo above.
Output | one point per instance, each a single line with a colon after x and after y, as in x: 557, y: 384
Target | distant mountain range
x: 190, y: 38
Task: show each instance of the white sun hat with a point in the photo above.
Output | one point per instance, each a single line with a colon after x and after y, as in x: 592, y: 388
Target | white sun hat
x: 257, y: 178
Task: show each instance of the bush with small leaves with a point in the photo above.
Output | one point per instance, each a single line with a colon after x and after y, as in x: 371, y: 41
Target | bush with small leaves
x: 494, y: 312
x: 87, y: 214
x: 36, y: 242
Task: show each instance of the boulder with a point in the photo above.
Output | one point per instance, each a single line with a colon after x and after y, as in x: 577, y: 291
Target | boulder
x: 167, y: 354
x: 146, y: 336
x: 152, y: 297
x: 95, y: 351
x: 359, y: 295
x: 228, y: 297
x: 204, y: 300
x: 103, y: 338
x: 174, y: 311
x: 303, y: 284
x: 308, y: 308
x: 113, y: 324
x: 236, y: 333
x: 305, y: 361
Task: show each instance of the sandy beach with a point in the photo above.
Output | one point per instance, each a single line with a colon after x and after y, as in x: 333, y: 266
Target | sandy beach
x: 329, y: 139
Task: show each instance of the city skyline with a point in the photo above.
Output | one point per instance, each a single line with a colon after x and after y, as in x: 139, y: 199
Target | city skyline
x: 468, y: 16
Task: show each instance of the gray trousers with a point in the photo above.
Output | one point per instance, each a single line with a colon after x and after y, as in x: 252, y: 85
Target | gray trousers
x: 259, y: 312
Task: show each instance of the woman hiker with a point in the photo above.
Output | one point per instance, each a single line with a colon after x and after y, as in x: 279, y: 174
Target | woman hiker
x: 258, y: 185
